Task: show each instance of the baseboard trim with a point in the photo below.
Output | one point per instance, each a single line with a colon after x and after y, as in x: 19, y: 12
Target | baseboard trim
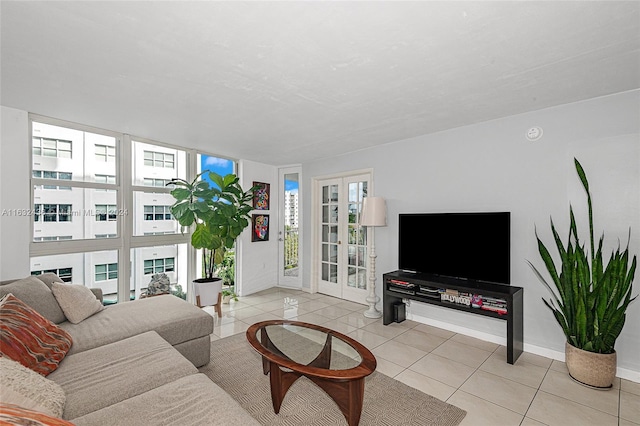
x: 623, y: 373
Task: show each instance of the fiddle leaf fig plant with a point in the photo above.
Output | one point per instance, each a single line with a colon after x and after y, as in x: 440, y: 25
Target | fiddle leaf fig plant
x: 590, y: 298
x: 218, y: 213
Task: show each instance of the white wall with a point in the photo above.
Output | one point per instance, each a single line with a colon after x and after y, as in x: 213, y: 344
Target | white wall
x: 257, y: 262
x: 492, y: 167
x: 14, y: 194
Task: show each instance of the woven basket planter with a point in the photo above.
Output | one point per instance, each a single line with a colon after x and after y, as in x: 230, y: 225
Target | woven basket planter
x: 589, y: 368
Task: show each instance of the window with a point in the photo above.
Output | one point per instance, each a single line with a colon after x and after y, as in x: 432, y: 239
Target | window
x: 106, y: 212
x: 46, y: 174
x: 111, y: 179
x: 106, y: 235
x: 52, y: 213
x: 109, y: 194
x: 106, y: 271
x: 105, y: 153
x: 54, y: 238
x: 65, y: 274
x: 51, y: 147
x: 159, y: 159
x: 156, y: 182
x: 157, y: 266
x: 157, y: 213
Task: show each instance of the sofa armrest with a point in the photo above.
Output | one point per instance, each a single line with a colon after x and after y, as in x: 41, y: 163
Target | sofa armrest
x: 98, y: 293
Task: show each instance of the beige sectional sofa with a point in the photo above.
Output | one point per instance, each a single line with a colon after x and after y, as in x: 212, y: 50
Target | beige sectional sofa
x: 135, y: 363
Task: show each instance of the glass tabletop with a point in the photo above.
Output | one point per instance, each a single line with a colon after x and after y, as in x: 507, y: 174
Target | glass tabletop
x: 309, y: 346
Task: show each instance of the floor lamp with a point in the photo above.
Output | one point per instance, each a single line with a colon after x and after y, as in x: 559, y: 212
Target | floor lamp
x: 374, y: 213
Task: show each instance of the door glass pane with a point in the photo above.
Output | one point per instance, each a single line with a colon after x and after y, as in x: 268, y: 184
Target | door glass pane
x: 352, y: 277
x: 333, y: 251
x: 325, y: 272
x: 290, y: 252
x: 334, y: 193
x: 362, y: 280
x: 333, y: 273
x: 334, y: 214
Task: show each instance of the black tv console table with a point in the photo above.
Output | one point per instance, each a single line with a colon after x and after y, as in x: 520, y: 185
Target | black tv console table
x: 393, y: 295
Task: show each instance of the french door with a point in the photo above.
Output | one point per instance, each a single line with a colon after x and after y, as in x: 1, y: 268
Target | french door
x: 342, y: 242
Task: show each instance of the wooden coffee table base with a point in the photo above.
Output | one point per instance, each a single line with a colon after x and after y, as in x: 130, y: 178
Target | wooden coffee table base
x: 348, y: 395
x: 344, y: 386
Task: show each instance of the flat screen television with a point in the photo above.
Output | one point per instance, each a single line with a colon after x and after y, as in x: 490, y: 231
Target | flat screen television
x: 473, y: 246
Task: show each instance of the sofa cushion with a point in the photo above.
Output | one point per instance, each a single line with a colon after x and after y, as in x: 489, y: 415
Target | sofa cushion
x: 35, y: 293
x: 77, y: 301
x: 175, y: 320
x: 193, y: 400
x: 103, y: 376
x: 28, y: 389
x: 11, y: 414
x: 49, y: 278
x: 30, y: 338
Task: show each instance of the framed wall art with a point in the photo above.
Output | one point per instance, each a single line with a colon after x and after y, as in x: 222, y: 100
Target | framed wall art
x: 259, y: 227
x: 261, y: 195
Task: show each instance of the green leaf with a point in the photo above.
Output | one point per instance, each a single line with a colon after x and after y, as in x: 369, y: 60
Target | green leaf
x: 217, y: 179
x: 201, y: 237
x: 181, y: 194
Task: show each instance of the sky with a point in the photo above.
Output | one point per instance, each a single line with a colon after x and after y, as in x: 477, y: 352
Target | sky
x: 221, y: 166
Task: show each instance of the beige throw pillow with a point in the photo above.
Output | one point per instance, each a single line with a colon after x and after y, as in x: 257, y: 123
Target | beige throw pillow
x: 77, y: 301
x: 28, y: 389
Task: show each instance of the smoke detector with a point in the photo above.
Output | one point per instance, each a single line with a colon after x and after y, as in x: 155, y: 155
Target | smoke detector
x: 534, y: 133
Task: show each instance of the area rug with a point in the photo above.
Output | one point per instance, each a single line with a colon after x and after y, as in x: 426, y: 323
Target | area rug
x: 237, y: 368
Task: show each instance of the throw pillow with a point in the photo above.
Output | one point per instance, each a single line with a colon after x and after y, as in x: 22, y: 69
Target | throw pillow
x: 35, y: 293
x: 29, y: 338
x: 28, y: 389
x: 77, y: 301
x: 11, y: 414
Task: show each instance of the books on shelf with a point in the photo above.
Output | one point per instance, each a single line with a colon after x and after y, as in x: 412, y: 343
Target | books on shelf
x: 449, y: 295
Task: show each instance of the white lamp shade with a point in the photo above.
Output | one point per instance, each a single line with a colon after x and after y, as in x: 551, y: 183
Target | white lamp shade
x: 374, y: 212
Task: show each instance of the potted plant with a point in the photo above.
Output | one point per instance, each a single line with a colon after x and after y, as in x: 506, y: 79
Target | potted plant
x: 226, y: 271
x: 590, y: 299
x: 228, y: 294
x: 218, y: 214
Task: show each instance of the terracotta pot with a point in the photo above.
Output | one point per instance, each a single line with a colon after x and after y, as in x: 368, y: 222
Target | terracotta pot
x: 590, y: 368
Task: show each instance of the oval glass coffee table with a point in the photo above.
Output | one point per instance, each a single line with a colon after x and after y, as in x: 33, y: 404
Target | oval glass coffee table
x: 335, y: 362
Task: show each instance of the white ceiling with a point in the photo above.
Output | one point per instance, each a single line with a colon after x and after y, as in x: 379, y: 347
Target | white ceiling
x: 288, y: 82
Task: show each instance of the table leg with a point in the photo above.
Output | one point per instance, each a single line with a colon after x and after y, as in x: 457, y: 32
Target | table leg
x: 280, y: 382
x: 347, y: 395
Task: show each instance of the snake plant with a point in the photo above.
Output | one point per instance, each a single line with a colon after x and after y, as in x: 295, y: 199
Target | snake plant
x: 220, y: 213
x: 592, y: 297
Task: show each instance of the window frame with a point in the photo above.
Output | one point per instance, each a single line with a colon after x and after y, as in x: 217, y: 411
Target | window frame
x: 124, y: 242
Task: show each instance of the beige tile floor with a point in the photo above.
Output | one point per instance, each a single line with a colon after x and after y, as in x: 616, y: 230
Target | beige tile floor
x: 469, y: 373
